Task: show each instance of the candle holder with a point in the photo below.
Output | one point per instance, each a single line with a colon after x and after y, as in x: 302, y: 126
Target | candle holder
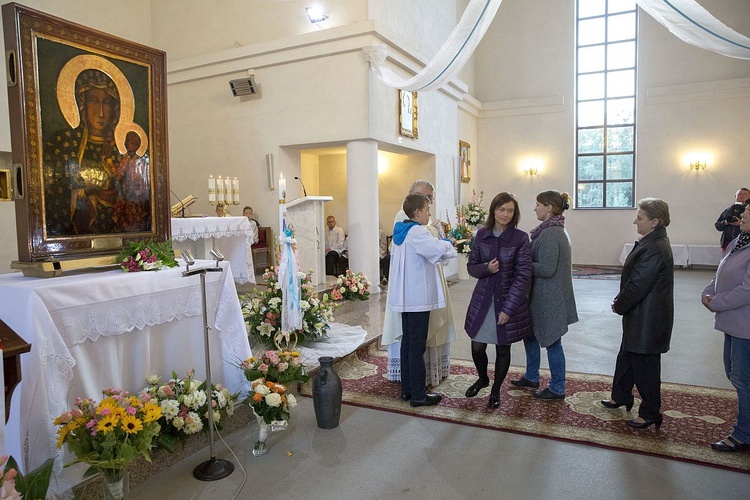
x: 223, y: 191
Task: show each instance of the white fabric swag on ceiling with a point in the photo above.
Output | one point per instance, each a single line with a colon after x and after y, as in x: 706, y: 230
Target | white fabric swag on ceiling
x: 693, y: 24
x: 686, y: 19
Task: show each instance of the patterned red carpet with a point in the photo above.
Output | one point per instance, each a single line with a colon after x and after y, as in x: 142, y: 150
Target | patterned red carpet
x: 693, y: 416
x: 596, y: 272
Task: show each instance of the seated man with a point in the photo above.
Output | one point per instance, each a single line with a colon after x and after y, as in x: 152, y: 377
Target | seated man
x: 335, y: 245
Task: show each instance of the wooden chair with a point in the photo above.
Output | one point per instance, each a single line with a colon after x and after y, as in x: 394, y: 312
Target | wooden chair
x: 263, y: 250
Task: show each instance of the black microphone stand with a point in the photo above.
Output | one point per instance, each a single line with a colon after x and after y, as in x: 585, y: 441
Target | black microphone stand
x: 181, y: 203
x: 214, y: 468
x: 304, y: 191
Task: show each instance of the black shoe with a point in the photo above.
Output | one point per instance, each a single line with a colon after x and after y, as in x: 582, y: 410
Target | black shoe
x: 405, y: 397
x: 431, y: 399
x: 494, y: 401
x: 645, y: 423
x: 547, y: 394
x: 611, y: 404
x: 524, y: 382
x: 477, y: 386
x: 735, y: 446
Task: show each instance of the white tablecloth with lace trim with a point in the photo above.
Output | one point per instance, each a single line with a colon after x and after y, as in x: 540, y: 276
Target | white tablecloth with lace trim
x: 232, y: 236
x: 112, y: 329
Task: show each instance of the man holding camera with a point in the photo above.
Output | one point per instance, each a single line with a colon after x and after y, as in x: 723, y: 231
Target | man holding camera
x: 729, y: 220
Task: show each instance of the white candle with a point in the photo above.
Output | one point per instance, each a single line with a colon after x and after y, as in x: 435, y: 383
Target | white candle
x: 236, y: 191
x: 228, y: 191
x: 282, y: 202
x: 220, y: 190
x: 211, y: 189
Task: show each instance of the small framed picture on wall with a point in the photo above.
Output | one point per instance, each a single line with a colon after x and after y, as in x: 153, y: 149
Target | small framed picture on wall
x: 464, y: 150
x: 407, y: 114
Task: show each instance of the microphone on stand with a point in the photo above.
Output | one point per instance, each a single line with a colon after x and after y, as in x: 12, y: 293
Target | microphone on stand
x: 304, y: 191
x: 181, y: 203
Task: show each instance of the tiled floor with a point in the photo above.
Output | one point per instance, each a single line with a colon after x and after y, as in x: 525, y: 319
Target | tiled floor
x: 380, y: 455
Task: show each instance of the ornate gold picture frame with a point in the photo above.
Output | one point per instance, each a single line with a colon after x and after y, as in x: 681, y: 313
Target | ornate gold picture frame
x: 407, y: 114
x: 464, y: 155
x: 88, y: 135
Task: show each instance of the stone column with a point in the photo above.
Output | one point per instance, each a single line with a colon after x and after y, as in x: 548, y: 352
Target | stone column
x: 362, y: 200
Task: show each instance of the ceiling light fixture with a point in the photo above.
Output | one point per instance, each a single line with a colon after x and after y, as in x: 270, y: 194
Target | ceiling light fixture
x: 316, y: 14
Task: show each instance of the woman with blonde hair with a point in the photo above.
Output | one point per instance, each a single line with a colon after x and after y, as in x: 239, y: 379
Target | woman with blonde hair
x: 553, y: 304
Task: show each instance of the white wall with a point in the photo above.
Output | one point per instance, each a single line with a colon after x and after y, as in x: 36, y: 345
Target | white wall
x: 196, y: 27
x: 688, y: 99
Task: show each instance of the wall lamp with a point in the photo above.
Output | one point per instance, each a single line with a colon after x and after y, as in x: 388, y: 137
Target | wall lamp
x: 316, y: 14
x: 531, y: 167
x: 699, y: 161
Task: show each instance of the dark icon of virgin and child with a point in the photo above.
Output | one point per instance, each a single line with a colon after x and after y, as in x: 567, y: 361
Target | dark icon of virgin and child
x: 96, y: 173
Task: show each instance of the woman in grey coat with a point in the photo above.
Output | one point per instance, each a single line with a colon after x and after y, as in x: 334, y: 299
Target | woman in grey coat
x: 553, y: 305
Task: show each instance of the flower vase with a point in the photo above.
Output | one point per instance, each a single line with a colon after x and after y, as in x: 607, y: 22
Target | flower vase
x: 326, y: 392
x: 261, y: 448
x: 115, y: 483
x: 463, y: 261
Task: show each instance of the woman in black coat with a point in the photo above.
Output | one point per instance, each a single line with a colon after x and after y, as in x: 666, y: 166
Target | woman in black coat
x: 646, y: 304
x: 498, y: 312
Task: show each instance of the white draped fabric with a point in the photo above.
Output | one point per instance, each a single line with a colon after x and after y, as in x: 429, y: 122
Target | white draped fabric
x: 291, y: 305
x: 451, y: 57
x: 693, y: 24
x: 686, y: 19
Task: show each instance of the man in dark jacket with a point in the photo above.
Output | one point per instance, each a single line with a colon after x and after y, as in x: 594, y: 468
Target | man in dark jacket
x: 729, y: 220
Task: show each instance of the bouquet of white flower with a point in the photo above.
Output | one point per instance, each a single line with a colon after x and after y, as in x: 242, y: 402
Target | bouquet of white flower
x: 262, y: 312
x: 184, y: 406
x: 474, y: 212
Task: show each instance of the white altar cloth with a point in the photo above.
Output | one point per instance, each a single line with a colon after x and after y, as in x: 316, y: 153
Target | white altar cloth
x: 232, y: 236
x: 112, y: 329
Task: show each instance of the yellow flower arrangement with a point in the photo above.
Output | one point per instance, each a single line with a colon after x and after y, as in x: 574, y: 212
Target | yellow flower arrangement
x: 109, y: 434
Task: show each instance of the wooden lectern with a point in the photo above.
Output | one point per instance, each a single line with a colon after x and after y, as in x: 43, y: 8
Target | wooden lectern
x: 13, y: 346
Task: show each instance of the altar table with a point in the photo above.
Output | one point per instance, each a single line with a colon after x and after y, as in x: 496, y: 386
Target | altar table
x: 112, y: 329
x: 232, y: 236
